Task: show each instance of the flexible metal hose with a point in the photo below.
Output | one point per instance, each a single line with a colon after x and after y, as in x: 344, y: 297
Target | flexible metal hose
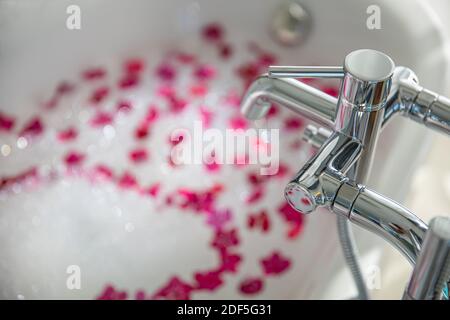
x: 351, y: 256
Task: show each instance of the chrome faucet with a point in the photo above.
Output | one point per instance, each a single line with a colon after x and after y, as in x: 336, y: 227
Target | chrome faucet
x: 372, y: 92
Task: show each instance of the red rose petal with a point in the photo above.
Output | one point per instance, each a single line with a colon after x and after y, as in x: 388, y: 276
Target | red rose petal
x: 256, y: 179
x: 294, y: 220
x: 255, y: 195
x: 102, y: 172
x: 128, y: 81
x: 29, y: 175
x: 128, y: 181
x: 208, y: 280
x: 213, y: 32
x: 229, y: 262
x: 52, y: 103
x: 248, y: 72
x: 138, y: 155
x: 67, y: 135
x: 266, y: 59
x: 134, y: 65
x: 152, y: 114
x: 140, y: 295
x: 177, y: 105
x: 225, y: 50
x: 99, y: 95
x: 289, y: 214
x: 154, y: 190
x: 238, y: 122
x: 275, y: 264
x: 101, y: 119
x: 166, y: 71
x: 273, y: 111
x: 185, y: 58
x: 33, y: 128
x: 198, y: 90
x: 218, y: 218
x: 293, y: 123
x: 74, y: 158
x: 175, y: 289
x: 142, y: 131
x: 110, y: 293
x: 6, y: 122
x: 259, y: 220
x: 64, y: 88
x: 166, y: 91
x: 225, y: 239
x: 93, y: 74
x: 204, y: 72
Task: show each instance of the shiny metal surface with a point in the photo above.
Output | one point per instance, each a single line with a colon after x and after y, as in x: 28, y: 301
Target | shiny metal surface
x: 305, y: 72
x: 403, y: 92
x: 316, y: 136
x: 344, y: 199
x: 334, y: 158
x: 432, y: 270
x: 364, y: 90
x: 295, y: 95
x: 408, y: 98
x: 372, y: 92
x: 368, y: 65
x: 438, y: 116
x: 350, y: 150
x: 390, y: 220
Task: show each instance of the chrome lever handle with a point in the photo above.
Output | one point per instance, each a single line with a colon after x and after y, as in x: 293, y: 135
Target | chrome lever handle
x: 306, y: 72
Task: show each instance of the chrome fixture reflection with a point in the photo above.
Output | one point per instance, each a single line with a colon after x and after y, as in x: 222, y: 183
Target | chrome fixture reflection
x: 432, y: 269
x: 372, y: 92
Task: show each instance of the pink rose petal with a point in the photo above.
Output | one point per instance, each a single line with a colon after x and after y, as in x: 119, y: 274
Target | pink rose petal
x: 208, y: 280
x: 166, y: 71
x: 138, y: 155
x: 93, y: 74
x: 67, y: 135
x: 213, y: 32
x: 74, y: 158
x: 99, y: 95
x: 6, y: 122
x: 101, y: 119
x: 275, y: 264
x: 134, y: 65
x: 33, y: 128
x: 129, y: 81
x: 251, y: 286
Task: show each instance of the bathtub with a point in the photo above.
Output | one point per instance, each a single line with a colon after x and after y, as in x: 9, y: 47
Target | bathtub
x: 90, y: 205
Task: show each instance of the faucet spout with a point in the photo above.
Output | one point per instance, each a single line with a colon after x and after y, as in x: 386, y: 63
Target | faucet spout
x: 295, y: 95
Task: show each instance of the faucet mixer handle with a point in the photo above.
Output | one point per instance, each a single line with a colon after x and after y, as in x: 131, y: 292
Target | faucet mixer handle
x: 306, y: 72
x: 366, y: 80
